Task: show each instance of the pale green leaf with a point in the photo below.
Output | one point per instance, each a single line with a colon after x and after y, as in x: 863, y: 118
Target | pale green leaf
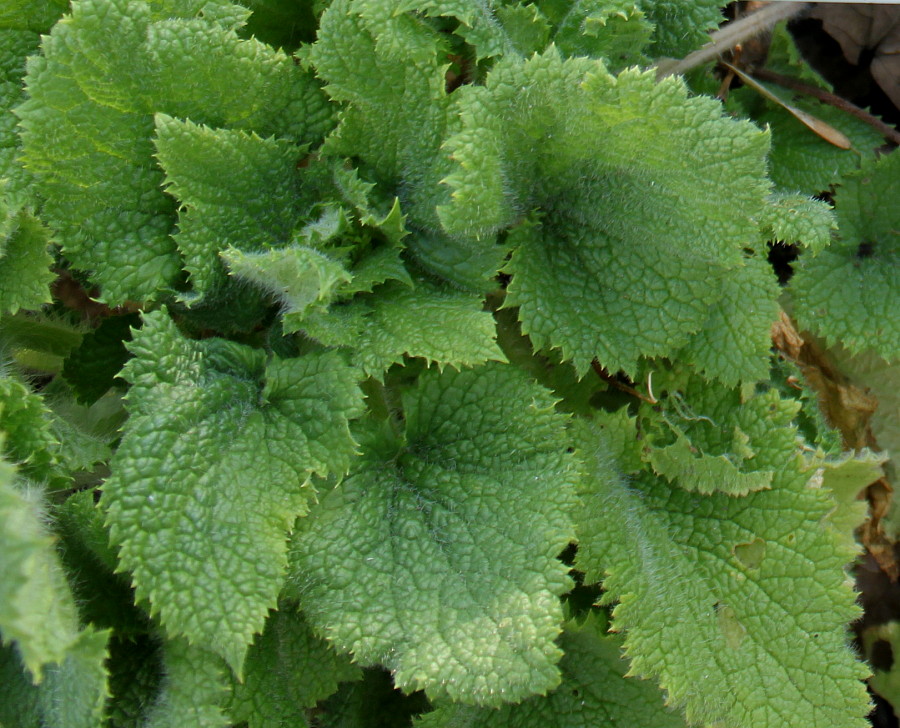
x: 88, y: 122
x: 734, y: 343
x: 28, y: 438
x: 707, y: 438
x: 615, y: 30
x: 850, y: 292
x: 885, y: 682
x: 594, y: 692
x: 797, y: 219
x: 882, y: 379
x: 200, y: 510
x: 25, y: 261
x: 288, y: 669
x: 630, y: 242
x: 526, y: 26
x: 236, y: 190
x: 737, y: 606
x: 194, y: 689
x: 36, y: 607
x: 847, y: 478
x: 397, y: 563
x: 438, y: 323
x: 300, y: 278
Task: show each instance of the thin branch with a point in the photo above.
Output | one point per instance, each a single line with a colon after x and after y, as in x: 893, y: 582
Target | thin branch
x: 732, y: 34
x: 794, y: 84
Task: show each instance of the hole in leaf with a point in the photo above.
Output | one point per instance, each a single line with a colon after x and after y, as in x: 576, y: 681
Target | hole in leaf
x: 866, y: 249
x: 882, y: 655
x: 751, y: 553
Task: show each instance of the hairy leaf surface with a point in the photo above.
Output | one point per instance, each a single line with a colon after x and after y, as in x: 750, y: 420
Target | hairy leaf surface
x: 797, y: 219
x: 213, y: 469
x: 235, y: 189
x: 707, y: 438
x: 615, y: 263
x: 397, y: 564
x: 88, y: 124
x: 435, y: 322
x: 37, y: 610
x: 733, y: 344
x: 850, y: 292
x: 736, y: 605
x: 193, y: 690
x: 594, y: 692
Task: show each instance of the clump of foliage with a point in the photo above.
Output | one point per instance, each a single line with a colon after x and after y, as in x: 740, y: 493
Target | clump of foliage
x: 430, y: 380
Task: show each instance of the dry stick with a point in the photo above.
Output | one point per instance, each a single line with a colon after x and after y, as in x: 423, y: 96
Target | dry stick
x: 886, y: 130
x: 728, y: 36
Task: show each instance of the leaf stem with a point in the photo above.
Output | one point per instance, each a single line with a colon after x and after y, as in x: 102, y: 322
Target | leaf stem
x: 610, y: 379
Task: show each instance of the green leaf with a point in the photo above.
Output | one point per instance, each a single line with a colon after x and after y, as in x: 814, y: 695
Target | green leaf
x: 25, y: 274
x: 235, y: 190
x: 36, y: 607
x: 681, y: 27
x: 193, y: 690
x: 18, y: 696
x: 105, y: 599
x: 709, y: 439
x: 733, y: 345
x: 88, y: 123
x: 33, y: 15
x: 478, y: 23
x: 630, y: 242
x: 615, y: 30
x: 438, y: 323
x: 74, y: 693
x: 26, y: 421
x: 737, y: 606
x: 15, y: 46
x: 797, y: 219
x: 388, y: 71
x: 92, y: 366
x: 850, y: 292
x: 288, y: 669
x: 391, y: 81
x: 397, y: 564
x: 846, y: 478
x: 526, y: 26
x: 199, y: 509
x: 801, y: 160
x: 595, y: 691
x: 302, y: 278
